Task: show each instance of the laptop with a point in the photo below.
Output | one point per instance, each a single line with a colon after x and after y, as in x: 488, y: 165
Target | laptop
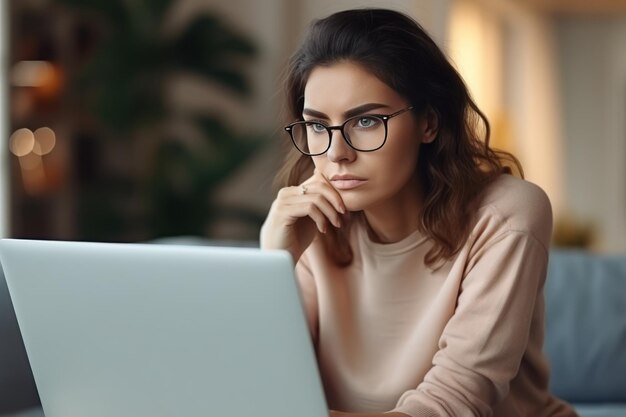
x: 140, y: 330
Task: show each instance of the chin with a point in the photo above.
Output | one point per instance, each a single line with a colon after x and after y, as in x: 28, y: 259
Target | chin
x: 353, y: 202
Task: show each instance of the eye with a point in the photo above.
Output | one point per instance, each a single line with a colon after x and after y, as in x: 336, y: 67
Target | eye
x: 317, y: 127
x: 366, y: 122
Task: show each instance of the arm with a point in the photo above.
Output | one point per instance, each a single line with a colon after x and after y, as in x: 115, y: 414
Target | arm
x: 308, y: 294
x: 482, y: 345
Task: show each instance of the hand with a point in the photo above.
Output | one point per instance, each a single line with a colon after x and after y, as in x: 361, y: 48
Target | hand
x: 298, y: 212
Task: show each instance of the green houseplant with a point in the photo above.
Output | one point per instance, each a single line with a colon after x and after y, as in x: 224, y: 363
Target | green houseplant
x: 123, y: 82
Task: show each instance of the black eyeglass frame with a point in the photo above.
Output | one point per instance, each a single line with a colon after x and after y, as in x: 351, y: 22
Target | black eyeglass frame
x: 384, y: 117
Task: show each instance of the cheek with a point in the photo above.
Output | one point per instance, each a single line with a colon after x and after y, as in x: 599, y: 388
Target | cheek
x: 399, y: 161
x: 318, y: 161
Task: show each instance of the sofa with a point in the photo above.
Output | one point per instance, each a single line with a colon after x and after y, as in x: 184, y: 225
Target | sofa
x: 586, y: 331
x: 585, y: 337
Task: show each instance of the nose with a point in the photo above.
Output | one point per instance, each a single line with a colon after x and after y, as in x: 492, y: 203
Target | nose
x: 339, y: 150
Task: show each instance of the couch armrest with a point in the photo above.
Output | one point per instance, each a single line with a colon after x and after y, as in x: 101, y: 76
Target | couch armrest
x: 586, y: 326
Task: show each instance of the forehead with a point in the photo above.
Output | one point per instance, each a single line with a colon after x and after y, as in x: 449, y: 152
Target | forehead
x: 344, y: 85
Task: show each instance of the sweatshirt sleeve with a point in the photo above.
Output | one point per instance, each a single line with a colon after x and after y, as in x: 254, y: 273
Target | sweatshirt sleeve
x: 481, y: 347
x: 308, y: 294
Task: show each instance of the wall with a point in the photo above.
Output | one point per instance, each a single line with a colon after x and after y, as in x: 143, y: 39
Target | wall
x: 530, y: 113
x: 563, y: 86
x: 431, y: 14
x: 592, y: 58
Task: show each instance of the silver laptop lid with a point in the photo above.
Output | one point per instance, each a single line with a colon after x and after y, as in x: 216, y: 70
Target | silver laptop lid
x: 129, y: 330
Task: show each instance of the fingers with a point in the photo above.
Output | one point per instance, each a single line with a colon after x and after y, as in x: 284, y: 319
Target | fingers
x: 316, y: 201
x: 298, y: 212
x: 325, y: 190
x: 311, y: 210
x: 293, y: 204
x: 324, y: 187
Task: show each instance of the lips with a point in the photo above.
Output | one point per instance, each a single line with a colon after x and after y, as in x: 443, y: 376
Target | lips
x: 346, y: 182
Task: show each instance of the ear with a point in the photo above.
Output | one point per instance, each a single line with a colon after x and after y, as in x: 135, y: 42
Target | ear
x: 430, y: 126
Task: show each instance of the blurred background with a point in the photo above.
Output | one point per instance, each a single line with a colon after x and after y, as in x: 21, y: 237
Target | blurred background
x: 131, y: 120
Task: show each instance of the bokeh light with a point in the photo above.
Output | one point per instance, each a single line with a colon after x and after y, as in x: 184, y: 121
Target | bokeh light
x: 45, y: 140
x: 22, y: 142
x: 32, y: 73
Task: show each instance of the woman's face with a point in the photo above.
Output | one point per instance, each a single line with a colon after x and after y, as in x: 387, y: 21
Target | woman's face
x: 365, y: 180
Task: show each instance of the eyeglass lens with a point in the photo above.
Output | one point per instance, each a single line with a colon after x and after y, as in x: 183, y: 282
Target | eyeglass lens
x: 363, y: 133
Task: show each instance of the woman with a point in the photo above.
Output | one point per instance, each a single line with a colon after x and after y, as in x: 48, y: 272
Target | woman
x: 420, y: 259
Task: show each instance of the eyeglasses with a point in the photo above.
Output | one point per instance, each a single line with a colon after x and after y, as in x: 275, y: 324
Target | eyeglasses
x: 364, y: 133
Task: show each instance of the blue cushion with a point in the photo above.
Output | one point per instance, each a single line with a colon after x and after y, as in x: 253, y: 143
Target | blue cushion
x: 586, y: 326
x: 601, y: 410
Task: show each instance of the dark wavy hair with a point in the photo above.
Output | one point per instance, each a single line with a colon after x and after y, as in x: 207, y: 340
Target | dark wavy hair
x: 454, y: 168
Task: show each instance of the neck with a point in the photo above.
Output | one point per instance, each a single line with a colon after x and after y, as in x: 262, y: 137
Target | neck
x: 397, y: 217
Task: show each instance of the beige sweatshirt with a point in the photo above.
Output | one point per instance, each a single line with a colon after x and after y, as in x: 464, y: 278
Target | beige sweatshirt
x: 464, y: 340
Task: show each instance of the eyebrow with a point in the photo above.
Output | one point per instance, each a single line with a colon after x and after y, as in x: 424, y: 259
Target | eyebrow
x: 347, y: 114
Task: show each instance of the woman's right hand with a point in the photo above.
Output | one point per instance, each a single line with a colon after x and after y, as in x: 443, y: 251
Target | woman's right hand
x: 298, y: 212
